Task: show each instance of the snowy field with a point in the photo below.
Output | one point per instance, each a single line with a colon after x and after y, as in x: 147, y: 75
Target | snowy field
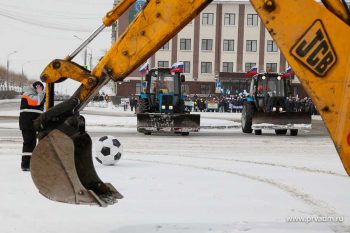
x: 215, y: 181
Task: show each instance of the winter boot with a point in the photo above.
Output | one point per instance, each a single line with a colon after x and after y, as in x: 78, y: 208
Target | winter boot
x: 25, y: 165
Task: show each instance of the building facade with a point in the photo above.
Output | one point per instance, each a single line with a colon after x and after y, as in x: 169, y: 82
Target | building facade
x: 220, y: 44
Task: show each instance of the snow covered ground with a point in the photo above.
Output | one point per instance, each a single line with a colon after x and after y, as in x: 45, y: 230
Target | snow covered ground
x: 214, y: 181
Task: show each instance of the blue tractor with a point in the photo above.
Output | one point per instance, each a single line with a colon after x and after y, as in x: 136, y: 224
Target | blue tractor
x: 161, y: 105
x: 267, y: 107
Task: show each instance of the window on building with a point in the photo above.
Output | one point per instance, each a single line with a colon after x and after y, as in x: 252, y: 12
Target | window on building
x: 206, y: 67
x: 163, y: 63
x: 251, y: 46
x: 208, y: 18
x: 185, y: 44
x: 249, y: 65
x: 185, y: 89
x: 207, y: 44
x: 205, y: 89
x: 229, y: 18
x: 227, y: 67
x: 271, y: 46
x: 187, y: 67
x: 236, y: 86
x: 228, y: 45
x: 252, y: 20
x: 165, y: 47
x: 271, y: 67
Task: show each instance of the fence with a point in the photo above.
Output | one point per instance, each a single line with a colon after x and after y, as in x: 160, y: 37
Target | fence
x: 9, y: 90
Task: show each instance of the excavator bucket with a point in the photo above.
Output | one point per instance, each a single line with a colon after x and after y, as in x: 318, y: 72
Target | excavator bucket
x: 158, y: 122
x: 62, y: 169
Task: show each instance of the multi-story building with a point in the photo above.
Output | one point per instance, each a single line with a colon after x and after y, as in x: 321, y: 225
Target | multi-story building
x: 220, y: 44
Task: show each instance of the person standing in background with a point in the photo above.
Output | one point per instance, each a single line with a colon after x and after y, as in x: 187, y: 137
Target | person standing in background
x: 32, y: 105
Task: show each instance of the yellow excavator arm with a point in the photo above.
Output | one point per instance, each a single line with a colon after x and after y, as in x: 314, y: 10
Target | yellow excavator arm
x: 156, y: 24
x: 314, y: 39
x: 61, y: 166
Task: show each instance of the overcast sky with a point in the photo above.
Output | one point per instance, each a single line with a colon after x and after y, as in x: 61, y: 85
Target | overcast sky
x: 42, y: 30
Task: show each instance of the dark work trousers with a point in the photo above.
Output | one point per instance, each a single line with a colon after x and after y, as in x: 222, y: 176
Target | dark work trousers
x: 29, y: 141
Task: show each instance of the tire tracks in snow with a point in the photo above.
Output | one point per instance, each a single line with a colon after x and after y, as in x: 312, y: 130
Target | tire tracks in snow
x: 305, y: 169
x: 321, y: 209
x: 279, y: 165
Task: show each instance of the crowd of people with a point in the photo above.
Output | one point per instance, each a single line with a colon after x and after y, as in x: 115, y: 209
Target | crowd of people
x: 219, y: 103
x: 234, y: 103
x: 213, y: 103
x: 295, y: 104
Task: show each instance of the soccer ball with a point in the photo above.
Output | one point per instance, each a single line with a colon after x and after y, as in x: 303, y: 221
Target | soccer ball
x: 108, y: 150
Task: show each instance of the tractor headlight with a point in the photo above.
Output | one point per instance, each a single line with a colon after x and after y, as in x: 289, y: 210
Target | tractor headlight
x: 163, y: 106
x: 171, y: 107
x: 274, y: 109
x: 280, y: 109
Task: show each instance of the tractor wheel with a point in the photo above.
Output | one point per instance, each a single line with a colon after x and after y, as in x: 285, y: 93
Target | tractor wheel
x: 147, y: 133
x: 258, y: 132
x: 247, y: 117
x: 185, y: 133
x: 293, y: 132
x: 280, y: 131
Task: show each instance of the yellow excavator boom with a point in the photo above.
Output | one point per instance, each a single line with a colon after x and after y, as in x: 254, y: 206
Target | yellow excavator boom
x: 156, y: 24
x: 314, y: 40
x: 61, y: 166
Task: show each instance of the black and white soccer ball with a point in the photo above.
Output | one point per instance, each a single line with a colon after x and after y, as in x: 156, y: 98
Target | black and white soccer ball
x: 108, y: 150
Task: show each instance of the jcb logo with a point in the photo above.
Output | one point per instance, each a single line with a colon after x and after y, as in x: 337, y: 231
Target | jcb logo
x: 315, y: 50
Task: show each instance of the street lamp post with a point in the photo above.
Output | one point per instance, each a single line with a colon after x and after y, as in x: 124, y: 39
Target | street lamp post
x: 86, y: 54
x: 7, y: 67
x: 23, y: 66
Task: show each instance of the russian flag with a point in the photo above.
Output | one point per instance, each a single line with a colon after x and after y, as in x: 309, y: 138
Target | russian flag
x: 288, y: 72
x: 177, y: 67
x: 144, y: 69
x: 252, y: 71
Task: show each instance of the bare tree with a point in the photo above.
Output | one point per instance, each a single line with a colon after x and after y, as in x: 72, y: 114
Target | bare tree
x: 17, y: 78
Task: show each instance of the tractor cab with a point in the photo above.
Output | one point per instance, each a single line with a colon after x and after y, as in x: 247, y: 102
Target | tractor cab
x: 164, y: 82
x: 163, y: 89
x: 270, y: 91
